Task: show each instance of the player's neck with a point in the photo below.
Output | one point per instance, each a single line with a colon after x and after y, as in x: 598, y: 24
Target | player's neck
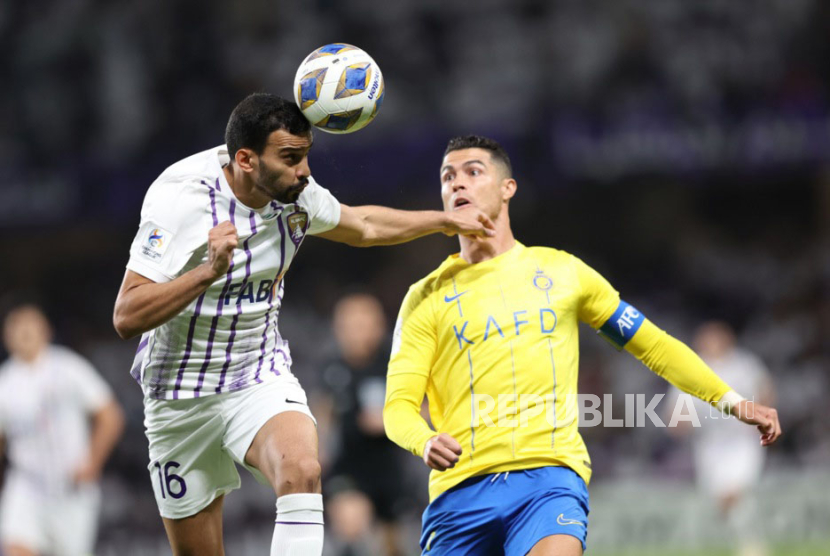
x: 30, y: 357
x: 476, y: 250
x: 243, y: 188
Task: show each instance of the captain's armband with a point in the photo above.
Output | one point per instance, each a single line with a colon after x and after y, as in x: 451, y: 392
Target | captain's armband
x: 622, y: 325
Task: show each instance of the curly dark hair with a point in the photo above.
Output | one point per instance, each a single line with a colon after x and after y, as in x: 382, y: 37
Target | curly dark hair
x: 497, y: 152
x: 257, y: 116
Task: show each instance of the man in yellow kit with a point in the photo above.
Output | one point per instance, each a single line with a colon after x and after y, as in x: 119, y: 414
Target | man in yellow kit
x: 494, y: 325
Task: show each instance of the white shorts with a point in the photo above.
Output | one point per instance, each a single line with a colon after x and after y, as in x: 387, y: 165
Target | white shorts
x: 60, y: 525
x: 196, y: 443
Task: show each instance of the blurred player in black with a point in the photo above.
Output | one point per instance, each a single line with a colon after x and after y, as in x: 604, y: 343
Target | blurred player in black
x: 364, y: 480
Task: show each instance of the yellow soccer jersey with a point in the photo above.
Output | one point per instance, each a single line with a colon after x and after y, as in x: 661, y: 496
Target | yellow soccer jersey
x: 494, y: 346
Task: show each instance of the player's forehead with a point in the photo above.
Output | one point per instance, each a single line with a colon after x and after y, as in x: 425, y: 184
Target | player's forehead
x: 26, y: 315
x: 454, y: 160
x: 283, y: 139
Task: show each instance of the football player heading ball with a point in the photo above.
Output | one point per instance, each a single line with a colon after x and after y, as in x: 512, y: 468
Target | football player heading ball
x: 203, y: 287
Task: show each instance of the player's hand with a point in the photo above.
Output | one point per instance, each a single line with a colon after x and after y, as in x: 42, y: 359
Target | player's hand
x: 765, y: 418
x: 87, y: 472
x: 441, y: 452
x: 469, y: 222
x: 222, y: 240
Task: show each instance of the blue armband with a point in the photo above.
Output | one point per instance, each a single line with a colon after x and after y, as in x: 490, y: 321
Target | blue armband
x: 622, y: 325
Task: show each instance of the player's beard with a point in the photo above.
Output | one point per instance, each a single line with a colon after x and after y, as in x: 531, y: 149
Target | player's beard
x: 269, y: 183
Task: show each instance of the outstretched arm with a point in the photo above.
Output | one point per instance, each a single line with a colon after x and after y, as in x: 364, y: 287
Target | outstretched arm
x: 370, y: 225
x: 625, y: 327
x: 677, y: 363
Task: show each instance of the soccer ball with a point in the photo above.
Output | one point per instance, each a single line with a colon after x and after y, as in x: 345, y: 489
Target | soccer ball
x: 339, y: 88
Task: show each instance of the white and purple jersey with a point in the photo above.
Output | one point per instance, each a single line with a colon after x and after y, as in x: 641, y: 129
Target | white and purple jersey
x: 227, y: 339
x: 45, y: 407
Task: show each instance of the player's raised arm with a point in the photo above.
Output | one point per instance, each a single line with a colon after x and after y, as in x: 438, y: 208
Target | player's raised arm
x: 367, y: 226
x: 143, y: 304
x: 627, y: 328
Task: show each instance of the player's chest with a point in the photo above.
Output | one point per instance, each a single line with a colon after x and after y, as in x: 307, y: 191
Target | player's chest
x: 521, y: 301
x: 31, y: 406
x: 268, y: 240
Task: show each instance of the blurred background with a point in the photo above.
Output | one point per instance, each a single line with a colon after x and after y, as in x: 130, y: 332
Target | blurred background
x: 680, y: 148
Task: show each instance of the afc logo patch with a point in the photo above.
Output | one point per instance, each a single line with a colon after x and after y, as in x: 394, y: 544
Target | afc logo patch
x: 155, y: 243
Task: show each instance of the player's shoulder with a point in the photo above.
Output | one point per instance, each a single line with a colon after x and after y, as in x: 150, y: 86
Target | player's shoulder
x: 437, y: 279
x: 192, y: 177
x: 64, y: 356
x: 313, y: 194
x: 179, y: 195
x: 551, y: 256
x: 7, y: 369
x: 202, y: 165
x: 749, y: 359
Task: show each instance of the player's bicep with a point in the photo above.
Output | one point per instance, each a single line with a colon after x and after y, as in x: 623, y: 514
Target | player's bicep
x: 597, y: 298
x: 414, y: 342
x: 350, y: 229
x: 131, y: 281
x: 622, y: 326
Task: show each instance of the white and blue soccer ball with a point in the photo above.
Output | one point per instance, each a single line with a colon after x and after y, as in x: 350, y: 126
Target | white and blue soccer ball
x: 339, y: 88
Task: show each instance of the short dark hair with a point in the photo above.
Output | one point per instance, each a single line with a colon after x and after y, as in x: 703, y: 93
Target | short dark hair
x: 256, y: 117
x: 497, y: 152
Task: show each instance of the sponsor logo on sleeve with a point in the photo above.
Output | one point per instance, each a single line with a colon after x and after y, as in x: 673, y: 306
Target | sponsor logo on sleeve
x: 562, y: 520
x: 155, y: 243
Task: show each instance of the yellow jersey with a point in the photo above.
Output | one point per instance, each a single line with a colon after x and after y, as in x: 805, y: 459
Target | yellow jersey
x: 494, y: 346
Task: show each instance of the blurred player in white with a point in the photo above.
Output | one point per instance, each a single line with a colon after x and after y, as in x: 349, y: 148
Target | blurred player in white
x: 204, y: 286
x: 49, y: 395
x: 728, y: 457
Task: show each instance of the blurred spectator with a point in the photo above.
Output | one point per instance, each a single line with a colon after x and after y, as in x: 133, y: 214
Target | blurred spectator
x: 727, y: 455
x: 48, y: 395
x: 365, y: 481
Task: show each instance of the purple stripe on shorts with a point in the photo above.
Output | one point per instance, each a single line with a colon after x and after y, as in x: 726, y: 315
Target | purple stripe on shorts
x: 215, y: 321
x: 252, y: 222
x: 217, y: 185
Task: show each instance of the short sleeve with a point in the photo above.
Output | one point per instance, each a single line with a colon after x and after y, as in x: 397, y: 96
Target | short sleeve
x: 323, y: 207
x: 597, y: 298
x: 90, y: 389
x: 415, y: 339
x: 175, y: 220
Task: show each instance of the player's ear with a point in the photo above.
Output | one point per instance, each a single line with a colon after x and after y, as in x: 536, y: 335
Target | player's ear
x: 244, y: 159
x: 508, y: 188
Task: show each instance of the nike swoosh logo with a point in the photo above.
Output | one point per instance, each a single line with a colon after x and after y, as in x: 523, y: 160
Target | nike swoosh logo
x: 451, y: 298
x: 294, y: 401
x: 562, y: 520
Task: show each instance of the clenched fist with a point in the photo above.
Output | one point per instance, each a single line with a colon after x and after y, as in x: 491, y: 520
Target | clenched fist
x: 222, y: 240
x: 441, y: 452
